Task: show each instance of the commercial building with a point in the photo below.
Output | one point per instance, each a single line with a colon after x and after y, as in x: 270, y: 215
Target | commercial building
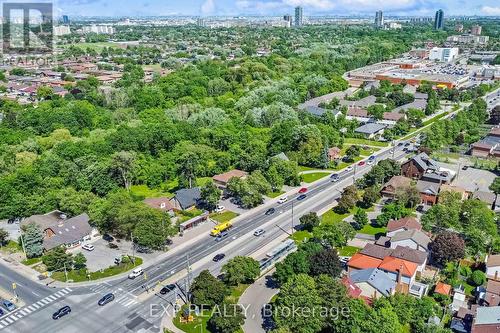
x: 468, y: 39
x: 288, y: 20
x: 476, y: 30
x: 298, y: 16
x: 439, y: 20
x: 65, y: 19
x: 443, y: 54
x: 379, y: 19
x: 99, y: 29
x: 61, y: 30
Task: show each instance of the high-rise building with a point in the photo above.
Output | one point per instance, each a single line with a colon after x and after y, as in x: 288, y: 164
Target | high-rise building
x: 379, y: 19
x: 476, y: 30
x: 439, y: 20
x: 65, y: 19
x: 288, y: 20
x: 298, y: 16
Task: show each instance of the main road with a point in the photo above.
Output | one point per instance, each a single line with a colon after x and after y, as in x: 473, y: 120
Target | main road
x: 135, y: 309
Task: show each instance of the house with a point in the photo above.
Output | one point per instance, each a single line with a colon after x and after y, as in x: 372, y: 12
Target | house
x: 333, y: 153
x: 373, y: 283
x: 400, y: 252
x: 186, y: 198
x: 419, y: 104
x: 455, y: 189
x: 414, y: 239
x: 493, y: 266
x: 488, y: 146
x: 405, y: 223
x: 488, y: 198
x: 490, y: 296
x: 442, y: 288
x: 396, y: 182
x: 429, y: 192
x: 281, y: 156
x: 59, y: 230
x: 418, y: 165
x: 371, y: 130
x: 360, y: 261
x: 400, y: 270
x: 361, y: 103
x: 161, y: 203
x: 487, y: 320
x: 222, y: 179
x: 353, y: 290
x: 391, y: 118
x: 459, y: 299
x: 358, y: 114
x: 441, y: 176
x: 319, y: 111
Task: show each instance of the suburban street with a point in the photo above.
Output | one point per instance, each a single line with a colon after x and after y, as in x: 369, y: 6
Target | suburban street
x: 130, y: 312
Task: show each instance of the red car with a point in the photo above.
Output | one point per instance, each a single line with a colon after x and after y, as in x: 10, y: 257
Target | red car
x: 303, y: 190
x: 361, y: 163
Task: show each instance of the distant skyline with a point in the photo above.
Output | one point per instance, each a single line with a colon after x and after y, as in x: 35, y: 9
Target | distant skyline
x: 274, y: 7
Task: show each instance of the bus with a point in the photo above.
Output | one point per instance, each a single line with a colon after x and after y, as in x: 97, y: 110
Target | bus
x: 281, y: 249
x: 220, y: 228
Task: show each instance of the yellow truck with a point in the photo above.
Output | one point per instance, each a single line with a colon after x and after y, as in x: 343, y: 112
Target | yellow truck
x: 220, y: 228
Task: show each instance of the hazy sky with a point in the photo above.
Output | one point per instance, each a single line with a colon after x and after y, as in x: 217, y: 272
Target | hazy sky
x: 273, y: 7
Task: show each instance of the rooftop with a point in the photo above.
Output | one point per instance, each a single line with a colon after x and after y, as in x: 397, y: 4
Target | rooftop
x: 377, y: 278
x: 487, y: 315
x: 370, y: 128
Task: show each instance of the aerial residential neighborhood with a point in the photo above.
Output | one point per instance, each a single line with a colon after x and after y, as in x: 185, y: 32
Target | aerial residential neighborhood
x: 222, y: 166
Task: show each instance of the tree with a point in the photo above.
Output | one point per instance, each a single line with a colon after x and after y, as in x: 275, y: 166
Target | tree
x: 58, y: 259
x: 79, y: 261
x: 360, y: 219
x: 207, y: 290
x: 33, y: 240
x: 348, y: 200
x: 447, y: 246
x: 44, y: 92
x: 495, y: 186
x: 123, y: 163
x: 227, y: 318
x: 335, y: 234
x: 299, y: 293
x: 371, y: 195
x: 477, y: 278
x: 309, y: 221
x: 326, y: 262
x: 408, y: 196
x: 210, y: 195
x: 152, y: 227
x: 4, y: 236
x: 377, y: 111
x: 241, y: 269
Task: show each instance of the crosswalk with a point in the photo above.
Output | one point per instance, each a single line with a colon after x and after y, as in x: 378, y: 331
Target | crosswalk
x: 19, y: 313
x: 122, y: 297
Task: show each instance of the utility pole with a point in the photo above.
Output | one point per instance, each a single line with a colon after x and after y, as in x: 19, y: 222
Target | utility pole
x: 133, y: 248
x: 22, y: 243
x: 188, y: 279
x: 65, y: 272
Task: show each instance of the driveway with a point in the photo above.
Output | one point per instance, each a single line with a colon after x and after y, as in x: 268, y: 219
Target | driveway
x: 13, y: 229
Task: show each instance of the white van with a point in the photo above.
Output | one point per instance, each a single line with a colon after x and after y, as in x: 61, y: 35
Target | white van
x: 136, y: 272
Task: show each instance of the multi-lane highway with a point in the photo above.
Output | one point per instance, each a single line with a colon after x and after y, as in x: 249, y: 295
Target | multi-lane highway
x: 132, y: 310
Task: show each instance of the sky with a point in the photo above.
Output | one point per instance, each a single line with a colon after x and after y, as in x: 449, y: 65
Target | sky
x: 273, y: 7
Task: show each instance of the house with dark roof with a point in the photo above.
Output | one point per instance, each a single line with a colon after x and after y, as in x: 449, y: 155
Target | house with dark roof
x: 418, y: 165
x: 395, y: 183
x: 59, y: 230
x: 373, y: 282
x: 414, y: 239
x: 371, y: 130
x: 489, y: 296
x: 405, y: 223
x: 319, y: 111
x: 429, y: 192
x: 488, y: 198
x: 186, y: 198
x: 400, y: 252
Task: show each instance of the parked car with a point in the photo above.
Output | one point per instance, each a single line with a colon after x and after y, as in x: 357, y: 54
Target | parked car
x: 301, y: 197
x: 400, y: 144
x: 371, y: 158
x: 219, y: 257
x: 88, y: 247
x: 219, y: 209
x: 8, y: 305
x: 259, y: 232
x: 1, y: 312
x: 108, y: 238
x: 270, y: 211
x: 282, y: 200
x: 220, y: 237
x: 106, y: 299
x: 303, y: 190
x: 136, y: 272
x: 61, y: 312
x: 168, y: 288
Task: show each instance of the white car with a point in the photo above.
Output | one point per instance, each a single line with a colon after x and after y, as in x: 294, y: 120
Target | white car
x: 88, y: 247
x: 259, y: 232
x: 282, y: 200
x: 349, y: 168
x: 219, y: 209
x: 136, y: 272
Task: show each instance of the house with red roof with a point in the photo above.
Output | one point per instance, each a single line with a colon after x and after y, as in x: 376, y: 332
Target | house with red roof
x: 405, y: 223
x: 443, y: 289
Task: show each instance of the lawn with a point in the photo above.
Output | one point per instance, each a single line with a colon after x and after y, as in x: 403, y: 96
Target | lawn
x: 348, y: 251
x: 224, y: 216
x: 11, y: 247
x: 305, y: 168
x: 332, y: 217
x: 143, y: 191
x: 435, y: 118
x: 32, y: 261
x: 198, y: 325
x: 274, y: 194
x: 372, y: 230
x: 356, y: 141
x: 301, y: 236
x: 96, y: 46
x: 343, y: 165
x: 79, y: 276
x: 362, y: 152
x: 312, y: 177
x: 185, y: 215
